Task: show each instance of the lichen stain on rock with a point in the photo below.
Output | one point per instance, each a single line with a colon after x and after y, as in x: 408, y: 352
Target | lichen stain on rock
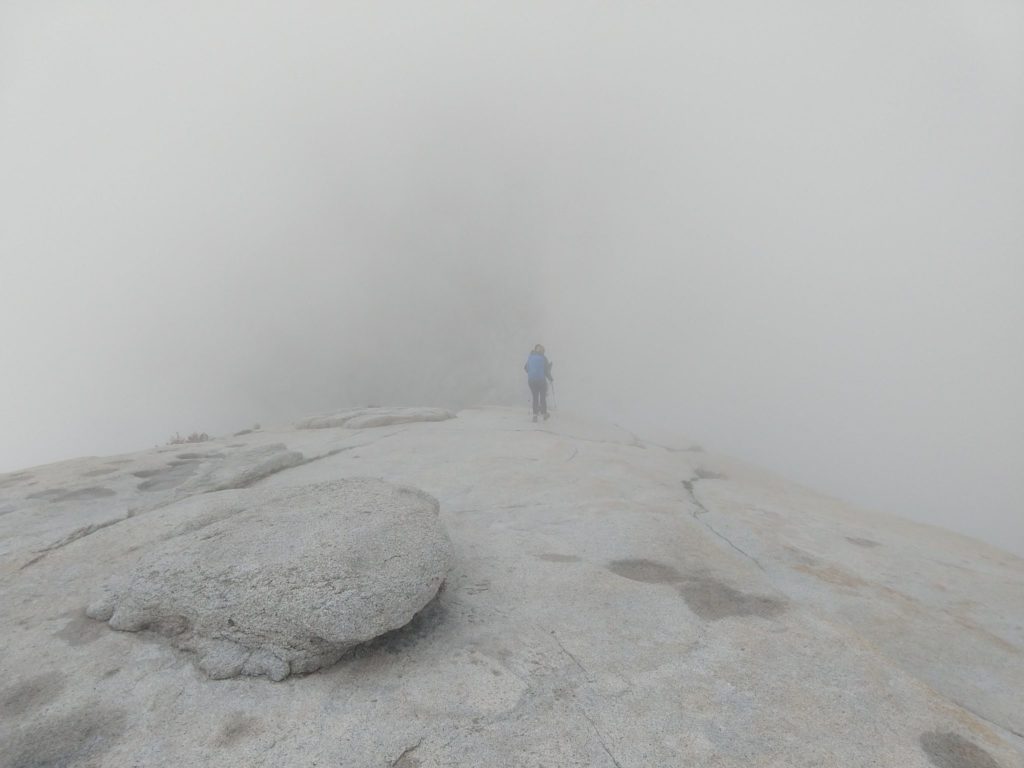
x: 950, y: 750
x: 833, y: 575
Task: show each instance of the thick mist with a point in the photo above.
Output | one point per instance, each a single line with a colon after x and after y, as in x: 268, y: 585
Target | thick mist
x: 792, y: 232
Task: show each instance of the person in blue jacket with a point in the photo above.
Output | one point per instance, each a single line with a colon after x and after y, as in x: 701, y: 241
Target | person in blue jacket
x: 538, y: 373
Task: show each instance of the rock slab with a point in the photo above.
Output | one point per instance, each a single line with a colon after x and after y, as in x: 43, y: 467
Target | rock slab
x: 364, y: 418
x: 286, y: 580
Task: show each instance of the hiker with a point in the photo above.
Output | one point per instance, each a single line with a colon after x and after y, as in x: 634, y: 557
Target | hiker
x: 538, y: 373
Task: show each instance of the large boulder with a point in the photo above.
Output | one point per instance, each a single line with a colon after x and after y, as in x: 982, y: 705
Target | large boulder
x: 286, y: 580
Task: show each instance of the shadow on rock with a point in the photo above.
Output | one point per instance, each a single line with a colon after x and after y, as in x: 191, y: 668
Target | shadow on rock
x: 76, y: 738
x: 949, y: 750
x: 710, y: 598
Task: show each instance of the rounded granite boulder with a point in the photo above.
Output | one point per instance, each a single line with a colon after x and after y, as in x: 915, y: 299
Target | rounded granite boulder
x: 289, y: 581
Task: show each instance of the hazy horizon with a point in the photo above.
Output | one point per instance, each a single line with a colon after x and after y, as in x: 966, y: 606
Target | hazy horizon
x: 791, y: 232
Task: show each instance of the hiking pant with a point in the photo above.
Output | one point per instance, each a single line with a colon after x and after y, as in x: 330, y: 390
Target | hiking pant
x: 539, y: 388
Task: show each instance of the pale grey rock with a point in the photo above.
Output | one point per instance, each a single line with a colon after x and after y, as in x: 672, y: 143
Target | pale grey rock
x: 290, y: 581
x: 252, y: 466
x: 362, y: 418
x: 612, y: 601
x: 62, y: 503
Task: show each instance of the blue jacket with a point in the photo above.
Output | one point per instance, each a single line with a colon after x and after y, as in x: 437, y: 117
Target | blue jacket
x: 538, y: 367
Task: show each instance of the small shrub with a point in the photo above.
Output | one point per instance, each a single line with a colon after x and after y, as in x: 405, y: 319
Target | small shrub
x: 195, y: 437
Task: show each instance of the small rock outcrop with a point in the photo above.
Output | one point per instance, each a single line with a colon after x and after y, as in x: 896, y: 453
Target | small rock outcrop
x: 289, y: 581
x: 361, y: 418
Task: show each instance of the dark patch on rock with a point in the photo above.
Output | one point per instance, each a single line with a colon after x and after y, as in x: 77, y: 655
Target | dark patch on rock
x: 85, y: 494
x: 98, y: 472
x: 78, y: 494
x: 708, y: 597
x: 76, y: 738
x: 171, y: 477
x: 210, y: 455
x: 707, y: 474
x: 553, y: 557
x: 31, y: 694
x: 6, y: 509
x: 862, y: 542
x: 241, y: 432
x: 237, y: 727
x: 646, y: 571
x: 144, y: 473
x: 49, y: 494
x: 712, y: 599
x: 950, y: 750
x: 81, y: 630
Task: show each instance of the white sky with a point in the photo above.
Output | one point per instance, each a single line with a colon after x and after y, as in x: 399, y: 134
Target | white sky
x: 793, y: 231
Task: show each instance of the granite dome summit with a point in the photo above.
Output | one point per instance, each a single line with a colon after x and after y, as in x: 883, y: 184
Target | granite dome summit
x: 607, y: 601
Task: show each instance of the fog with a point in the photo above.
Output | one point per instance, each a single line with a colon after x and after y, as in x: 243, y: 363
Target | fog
x: 792, y: 231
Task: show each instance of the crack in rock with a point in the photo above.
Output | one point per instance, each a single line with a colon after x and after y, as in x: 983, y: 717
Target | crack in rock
x: 75, y: 535
x: 567, y: 652
x: 700, y: 510
x: 980, y: 716
x: 401, y: 761
x: 600, y: 736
